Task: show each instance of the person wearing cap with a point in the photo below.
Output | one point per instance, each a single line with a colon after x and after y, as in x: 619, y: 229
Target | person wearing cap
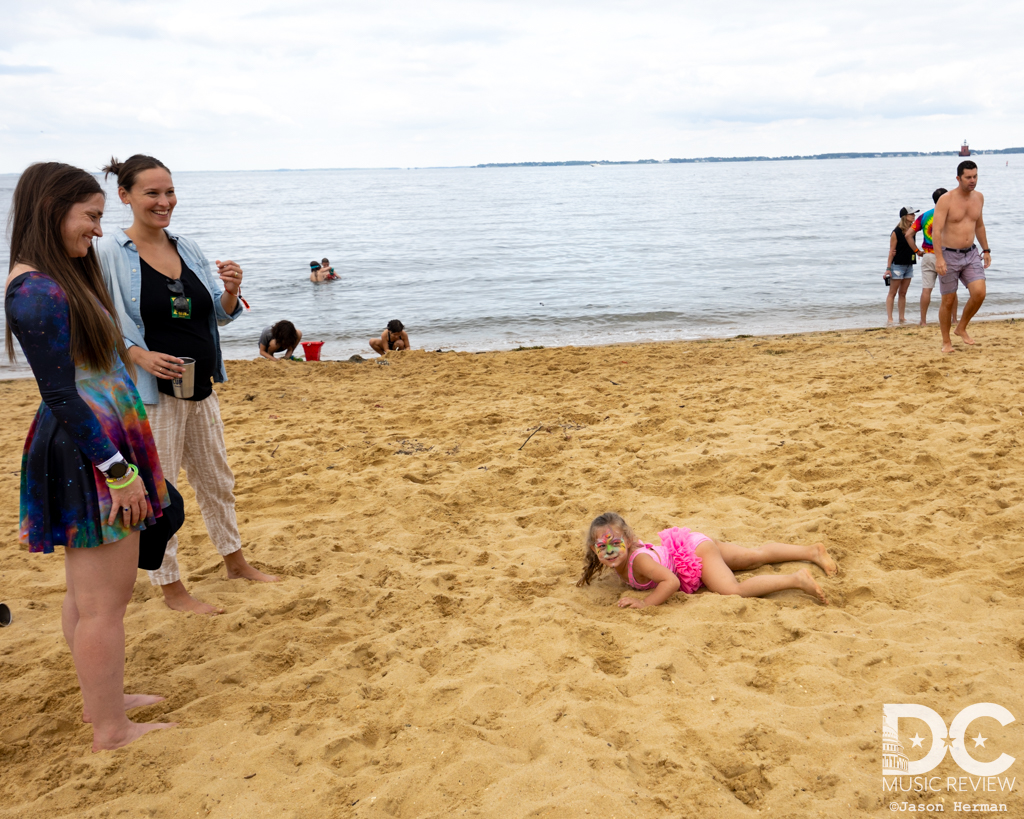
x: 899, y: 270
x: 923, y: 223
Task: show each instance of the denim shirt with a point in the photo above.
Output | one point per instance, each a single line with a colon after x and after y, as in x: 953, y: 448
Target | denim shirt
x: 122, y: 274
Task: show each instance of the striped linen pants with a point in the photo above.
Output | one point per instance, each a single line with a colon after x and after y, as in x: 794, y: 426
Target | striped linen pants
x: 190, y: 434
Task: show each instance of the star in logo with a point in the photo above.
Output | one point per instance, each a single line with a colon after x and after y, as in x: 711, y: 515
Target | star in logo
x: 979, y: 740
x: 917, y: 739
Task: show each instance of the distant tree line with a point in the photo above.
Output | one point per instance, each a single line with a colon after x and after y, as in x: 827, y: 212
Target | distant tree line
x: 846, y: 155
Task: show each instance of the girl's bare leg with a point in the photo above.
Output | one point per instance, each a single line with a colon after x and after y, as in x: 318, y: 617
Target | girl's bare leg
x: 69, y: 622
x: 739, y: 558
x: 101, y: 582
x: 718, y: 577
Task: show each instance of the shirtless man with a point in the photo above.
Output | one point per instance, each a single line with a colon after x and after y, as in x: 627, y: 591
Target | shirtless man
x: 393, y: 338
x: 956, y: 223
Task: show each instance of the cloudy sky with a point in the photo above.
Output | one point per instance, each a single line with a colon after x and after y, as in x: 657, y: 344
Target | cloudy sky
x: 206, y: 84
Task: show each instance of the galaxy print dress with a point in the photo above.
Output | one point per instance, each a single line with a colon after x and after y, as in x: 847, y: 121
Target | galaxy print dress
x: 86, y: 418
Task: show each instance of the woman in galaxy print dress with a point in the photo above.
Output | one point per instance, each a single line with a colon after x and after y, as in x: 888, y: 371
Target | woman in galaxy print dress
x: 91, y: 480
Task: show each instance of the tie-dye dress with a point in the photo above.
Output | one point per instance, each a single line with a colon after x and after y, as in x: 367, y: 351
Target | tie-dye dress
x: 85, y: 419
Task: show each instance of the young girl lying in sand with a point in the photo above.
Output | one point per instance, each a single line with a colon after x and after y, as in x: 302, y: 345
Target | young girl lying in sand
x: 686, y: 559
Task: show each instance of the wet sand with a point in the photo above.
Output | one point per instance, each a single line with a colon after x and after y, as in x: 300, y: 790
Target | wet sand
x: 428, y: 653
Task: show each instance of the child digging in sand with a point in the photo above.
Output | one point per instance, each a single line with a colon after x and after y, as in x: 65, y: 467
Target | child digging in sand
x: 686, y: 559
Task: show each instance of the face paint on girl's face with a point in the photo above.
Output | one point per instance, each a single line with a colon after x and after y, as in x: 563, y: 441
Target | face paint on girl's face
x: 609, y: 546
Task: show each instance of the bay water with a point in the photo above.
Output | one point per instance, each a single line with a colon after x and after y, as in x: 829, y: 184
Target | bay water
x: 496, y: 258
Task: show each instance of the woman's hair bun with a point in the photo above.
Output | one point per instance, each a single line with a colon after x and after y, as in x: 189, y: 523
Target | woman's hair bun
x: 113, y: 168
x: 127, y: 171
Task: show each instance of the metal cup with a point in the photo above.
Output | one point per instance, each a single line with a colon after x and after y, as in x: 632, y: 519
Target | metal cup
x: 185, y: 384
x: 5, y: 615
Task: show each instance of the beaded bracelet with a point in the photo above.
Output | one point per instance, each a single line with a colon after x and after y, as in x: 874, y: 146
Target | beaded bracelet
x: 135, y: 473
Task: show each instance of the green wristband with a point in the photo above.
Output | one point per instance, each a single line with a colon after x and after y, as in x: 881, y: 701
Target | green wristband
x: 134, y: 470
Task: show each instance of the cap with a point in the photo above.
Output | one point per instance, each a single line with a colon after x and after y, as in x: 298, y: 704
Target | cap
x: 907, y: 212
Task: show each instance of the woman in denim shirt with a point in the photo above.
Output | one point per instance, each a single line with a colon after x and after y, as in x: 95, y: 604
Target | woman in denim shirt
x: 170, y: 306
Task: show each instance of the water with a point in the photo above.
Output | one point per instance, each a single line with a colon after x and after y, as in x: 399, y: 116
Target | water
x: 483, y: 259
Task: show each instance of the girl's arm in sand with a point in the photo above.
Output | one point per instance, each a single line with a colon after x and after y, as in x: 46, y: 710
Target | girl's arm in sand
x: 266, y: 353
x: 668, y: 583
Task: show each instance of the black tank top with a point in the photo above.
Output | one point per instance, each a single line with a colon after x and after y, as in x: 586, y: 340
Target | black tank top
x: 904, y: 255
x: 185, y: 335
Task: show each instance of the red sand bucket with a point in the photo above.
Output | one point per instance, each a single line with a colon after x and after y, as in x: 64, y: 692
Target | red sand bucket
x: 312, y: 350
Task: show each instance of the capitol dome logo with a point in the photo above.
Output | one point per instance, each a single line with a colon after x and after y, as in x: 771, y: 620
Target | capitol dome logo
x: 894, y: 761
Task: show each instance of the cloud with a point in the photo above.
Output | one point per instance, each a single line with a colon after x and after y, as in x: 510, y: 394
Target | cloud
x: 839, y: 68
x: 25, y: 69
x: 312, y: 83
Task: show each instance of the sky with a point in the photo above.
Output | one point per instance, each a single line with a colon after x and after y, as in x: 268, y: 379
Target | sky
x: 211, y: 85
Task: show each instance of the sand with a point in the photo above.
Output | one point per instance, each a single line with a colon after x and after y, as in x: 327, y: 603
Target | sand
x: 428, y: 654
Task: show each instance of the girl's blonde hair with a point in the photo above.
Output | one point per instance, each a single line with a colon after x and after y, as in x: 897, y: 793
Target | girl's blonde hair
x: 593, y: 566
x: 904, y: 224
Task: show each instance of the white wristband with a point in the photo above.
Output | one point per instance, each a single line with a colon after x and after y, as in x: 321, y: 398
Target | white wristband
x: 103, y: 467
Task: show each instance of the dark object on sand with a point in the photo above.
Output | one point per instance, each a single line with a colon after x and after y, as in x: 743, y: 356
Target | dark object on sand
x: 530, y: 436
x: 5, y: 615
x: 356, y: 359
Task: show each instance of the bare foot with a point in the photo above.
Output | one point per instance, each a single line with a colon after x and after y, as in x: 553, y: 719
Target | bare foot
x: 824, y: 560
x: 239, y: 569
x: 903, y: 321
x: 963, y: 334
x: 176, y: 597
x: 806, y: 582
x: 923, y: 323
x: 947, y: 347
x: 888, y: 323
x: 122, y: 738
x: 132, y: 701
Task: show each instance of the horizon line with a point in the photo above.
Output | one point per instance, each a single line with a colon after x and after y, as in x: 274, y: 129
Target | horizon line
x: 577, y: 162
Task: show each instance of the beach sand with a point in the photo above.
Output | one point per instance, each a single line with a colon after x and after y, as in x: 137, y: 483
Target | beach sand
x: 428, y: 654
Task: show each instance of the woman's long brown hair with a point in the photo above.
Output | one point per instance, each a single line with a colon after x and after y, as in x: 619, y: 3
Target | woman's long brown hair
x: 594, y: 566
x: 43, y: 197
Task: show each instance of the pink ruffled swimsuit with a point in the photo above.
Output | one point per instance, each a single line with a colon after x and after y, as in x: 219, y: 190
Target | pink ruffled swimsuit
x: 676, y: 553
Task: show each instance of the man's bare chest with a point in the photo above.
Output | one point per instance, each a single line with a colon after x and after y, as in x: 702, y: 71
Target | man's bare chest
x: 969, y: 211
